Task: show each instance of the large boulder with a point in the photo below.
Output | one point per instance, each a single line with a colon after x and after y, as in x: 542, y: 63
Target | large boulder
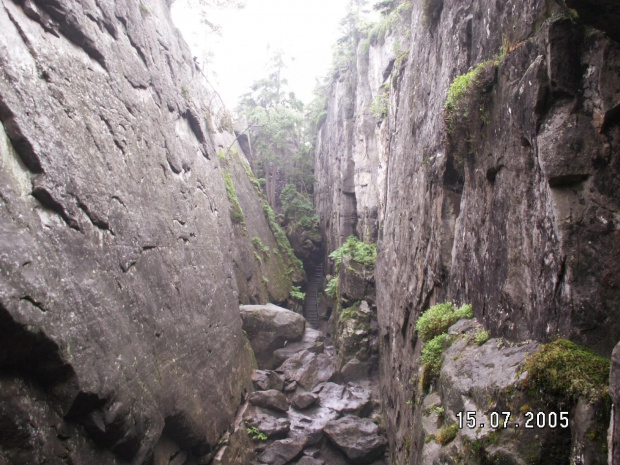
x: 269, y: 328
x: 308, y: 369
x: 357, y: 437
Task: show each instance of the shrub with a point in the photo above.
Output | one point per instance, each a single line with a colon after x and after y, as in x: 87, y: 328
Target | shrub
x: 431, y: 353
x: 332, y: 288
x: 356, y: 250
x: 299, y: 210
x: 297, y: 294
x: 380, y: 104
x: 437, y: 319
x: 567, y: 370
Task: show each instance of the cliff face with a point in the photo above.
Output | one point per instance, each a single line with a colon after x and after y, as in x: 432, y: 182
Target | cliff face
x: 511, y: 206
x: 120, y: 333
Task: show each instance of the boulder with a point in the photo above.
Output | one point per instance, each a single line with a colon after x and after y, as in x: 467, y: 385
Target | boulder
x: 308, y: 369
x: 270, y: 399
x: 355, y: 370
x: 344, y: 399
x: 269, y: 328
x: 283, y: 451
x: 265, y: 379
x: 272, y: 426
x: 303, y: 400
x: 357, y: 437
x: 312, y: 340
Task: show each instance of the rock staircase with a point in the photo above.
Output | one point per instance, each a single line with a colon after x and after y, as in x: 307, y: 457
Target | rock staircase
x: 311, y: 304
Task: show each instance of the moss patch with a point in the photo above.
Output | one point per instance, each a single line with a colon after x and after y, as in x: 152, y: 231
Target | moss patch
x: 447, y: 434
x: 236, y: 214
x: 564, y: 369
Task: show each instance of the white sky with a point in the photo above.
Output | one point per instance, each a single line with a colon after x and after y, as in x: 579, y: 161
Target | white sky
x: 304, y: 29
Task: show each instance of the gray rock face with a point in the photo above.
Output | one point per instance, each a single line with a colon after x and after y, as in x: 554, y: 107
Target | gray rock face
x: 270, y: 327
x: 357, y: 437
x: 117, y: 293
x: 516, y: 211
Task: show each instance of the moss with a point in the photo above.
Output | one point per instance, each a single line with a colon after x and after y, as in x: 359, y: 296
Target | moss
x: 429, y: 438
x: 221, y: 155
x: 437, y: 319
x: 294, y: 264
x: 350, y: 312
x: 144, y: 9
x: 236, y: 214
x: 564, y: 369
x: 447, y: 434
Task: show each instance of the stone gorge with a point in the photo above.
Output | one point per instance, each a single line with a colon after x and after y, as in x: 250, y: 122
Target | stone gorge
x: 475, y: 143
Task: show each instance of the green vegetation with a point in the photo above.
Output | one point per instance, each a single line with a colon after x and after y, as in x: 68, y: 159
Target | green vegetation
x: 431, y: 353
x: 296, y: 293
x: 462, y: 90
x: 392, y: 18
x: 299, y: 213
x: 332, y: 287
x: 380, y: 104
x: 447, y: 434
x: 185, y: 92
x: 349, y: 313
x: 481, y: 337
x: 256, y: 434
x: 437, y: 319
x: 144, y: 9
x: 236, y: 214
x: 566, y: 370
x: 283, y: 243
x: 356, y: 250
x: 258, y: 245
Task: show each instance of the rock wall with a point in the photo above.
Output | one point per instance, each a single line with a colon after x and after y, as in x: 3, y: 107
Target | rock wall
x: 120, y: 334
x: 516, y: 210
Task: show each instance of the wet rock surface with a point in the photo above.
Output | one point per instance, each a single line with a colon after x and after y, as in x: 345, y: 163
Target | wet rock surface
x: 315, y: 404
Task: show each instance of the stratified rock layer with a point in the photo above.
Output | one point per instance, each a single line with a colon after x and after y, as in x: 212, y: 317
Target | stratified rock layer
x: 119, y: 325
x: 514, y: 208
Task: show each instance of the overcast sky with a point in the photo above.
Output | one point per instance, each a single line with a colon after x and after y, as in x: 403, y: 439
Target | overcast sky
x: 304, y: 29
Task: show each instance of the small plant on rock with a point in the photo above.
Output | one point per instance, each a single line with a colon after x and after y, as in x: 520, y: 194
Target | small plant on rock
x: 256, y: 434
x: 431, y: 353
x: 481, y: 337
x: 437, y: 319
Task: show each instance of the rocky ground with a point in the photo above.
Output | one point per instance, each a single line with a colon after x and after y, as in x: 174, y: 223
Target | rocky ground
x: 303, y: 411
